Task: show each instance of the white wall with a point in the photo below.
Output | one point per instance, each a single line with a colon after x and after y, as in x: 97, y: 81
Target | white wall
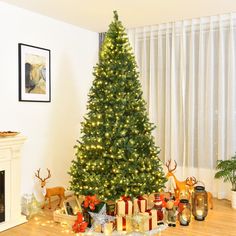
x: 51, y: 128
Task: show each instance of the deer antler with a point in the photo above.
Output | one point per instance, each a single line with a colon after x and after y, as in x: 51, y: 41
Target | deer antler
x: 37, y: 174
x: 191, y: 181
x: 49, y: 175
x: 168, y: 165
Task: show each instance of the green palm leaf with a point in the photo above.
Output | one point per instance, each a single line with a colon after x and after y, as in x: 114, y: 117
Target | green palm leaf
x: 227, y: 171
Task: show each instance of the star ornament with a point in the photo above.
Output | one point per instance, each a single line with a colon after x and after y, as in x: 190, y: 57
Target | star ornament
x: 101, y: 217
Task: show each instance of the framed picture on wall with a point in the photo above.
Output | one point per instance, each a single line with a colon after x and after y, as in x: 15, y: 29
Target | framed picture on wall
x: 34, y: 73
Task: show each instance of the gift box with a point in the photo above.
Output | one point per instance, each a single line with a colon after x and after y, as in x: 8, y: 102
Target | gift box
x: 140, y: 204
x: 29, y: 205
x: 153, y: 219
x: 123, y: 223
x: 149, y: 220
x: 124, y: 207
x: 97, y: 228
x: 108, y: 228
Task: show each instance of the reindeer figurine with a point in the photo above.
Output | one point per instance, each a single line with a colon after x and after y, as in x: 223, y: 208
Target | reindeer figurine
x: 191, y: 181
x: 180, y: 185
x: 56, y: 191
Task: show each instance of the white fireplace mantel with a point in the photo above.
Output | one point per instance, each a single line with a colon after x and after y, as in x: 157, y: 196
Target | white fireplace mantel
x: 10, y: 162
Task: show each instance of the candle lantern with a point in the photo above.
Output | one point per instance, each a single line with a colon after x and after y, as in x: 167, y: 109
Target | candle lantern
x: 199, y: 203
x: 184, y: 212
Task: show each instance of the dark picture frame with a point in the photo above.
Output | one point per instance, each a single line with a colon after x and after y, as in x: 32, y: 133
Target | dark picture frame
x: 34, y: 73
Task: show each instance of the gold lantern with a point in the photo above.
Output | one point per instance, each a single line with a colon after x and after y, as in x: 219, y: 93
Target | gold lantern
x: 199, y: 203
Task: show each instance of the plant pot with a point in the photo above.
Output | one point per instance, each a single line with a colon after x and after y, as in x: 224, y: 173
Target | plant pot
x: 233, y: 201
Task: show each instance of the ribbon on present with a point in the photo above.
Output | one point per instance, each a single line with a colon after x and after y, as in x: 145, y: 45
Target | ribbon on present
x: 140, y: 199
x: 126, y: 198
x: 140, y: 204
x: 123, y: 223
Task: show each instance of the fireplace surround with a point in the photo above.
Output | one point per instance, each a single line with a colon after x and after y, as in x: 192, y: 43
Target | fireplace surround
x: 10, y: 173
x: 2, y: 196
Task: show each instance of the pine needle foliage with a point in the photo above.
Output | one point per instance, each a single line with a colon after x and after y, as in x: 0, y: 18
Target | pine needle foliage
x: 116, y: 154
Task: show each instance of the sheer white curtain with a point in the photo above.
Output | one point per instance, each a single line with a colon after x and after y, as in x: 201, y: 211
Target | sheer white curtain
x: 187, y: 71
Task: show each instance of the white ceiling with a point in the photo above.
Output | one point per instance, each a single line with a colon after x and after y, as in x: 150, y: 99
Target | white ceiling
x: 96, y: 15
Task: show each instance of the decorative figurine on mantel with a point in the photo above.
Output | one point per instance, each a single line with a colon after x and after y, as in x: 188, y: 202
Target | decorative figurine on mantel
x: 49, y: 192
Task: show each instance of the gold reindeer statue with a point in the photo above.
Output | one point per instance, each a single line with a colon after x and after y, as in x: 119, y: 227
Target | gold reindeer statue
x: 180, y: 185
x: 55, y: 191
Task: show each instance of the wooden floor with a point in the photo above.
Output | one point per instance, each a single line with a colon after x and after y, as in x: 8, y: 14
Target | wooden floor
x: 221, y: 221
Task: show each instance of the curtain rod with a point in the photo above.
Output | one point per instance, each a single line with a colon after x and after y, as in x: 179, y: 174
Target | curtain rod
x: 223, y: 19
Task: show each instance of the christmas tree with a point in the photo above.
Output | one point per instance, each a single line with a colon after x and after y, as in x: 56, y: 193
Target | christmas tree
x: 116, y: 155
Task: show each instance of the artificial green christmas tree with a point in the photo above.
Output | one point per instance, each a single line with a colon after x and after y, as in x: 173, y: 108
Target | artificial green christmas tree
x: 116, y: 155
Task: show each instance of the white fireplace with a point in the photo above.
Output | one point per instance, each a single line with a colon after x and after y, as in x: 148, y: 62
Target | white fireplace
x: 10, y: 166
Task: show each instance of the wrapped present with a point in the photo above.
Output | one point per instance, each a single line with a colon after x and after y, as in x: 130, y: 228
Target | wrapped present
x: 124, y: 207
x: 153, y: 219
x: 140, y: 204
x: 123, y: 223
x: 149, y: 220
x: 29, y: 205
x: 97, y: 228
x: 108, y: 228
x: 150, y: 199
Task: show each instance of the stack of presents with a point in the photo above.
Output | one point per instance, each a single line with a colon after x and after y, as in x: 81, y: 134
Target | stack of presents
x: 142, y: 214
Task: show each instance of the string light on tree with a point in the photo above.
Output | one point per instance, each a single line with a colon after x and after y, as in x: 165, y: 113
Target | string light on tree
x: 116, y: 154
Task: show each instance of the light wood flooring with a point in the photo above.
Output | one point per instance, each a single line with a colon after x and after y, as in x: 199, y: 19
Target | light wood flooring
x: 221, y: 221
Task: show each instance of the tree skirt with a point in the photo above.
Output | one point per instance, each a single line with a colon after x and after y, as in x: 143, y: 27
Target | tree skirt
x: 115, y: 233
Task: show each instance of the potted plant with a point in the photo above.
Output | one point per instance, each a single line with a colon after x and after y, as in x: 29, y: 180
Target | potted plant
x: 226, y: 170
